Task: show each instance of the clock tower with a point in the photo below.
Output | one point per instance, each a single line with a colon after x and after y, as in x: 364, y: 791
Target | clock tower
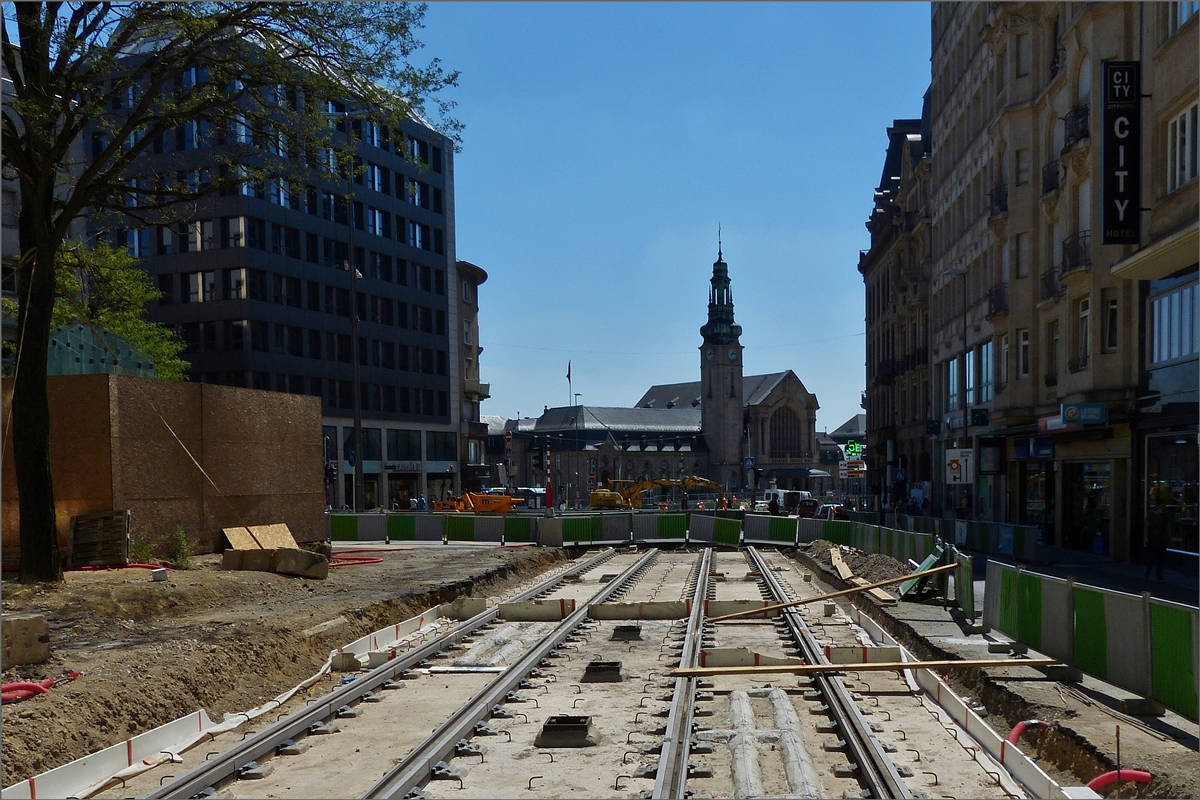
x: 721, y: 380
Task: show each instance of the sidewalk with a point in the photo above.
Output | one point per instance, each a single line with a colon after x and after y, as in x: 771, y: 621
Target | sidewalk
x: 1086, y: 568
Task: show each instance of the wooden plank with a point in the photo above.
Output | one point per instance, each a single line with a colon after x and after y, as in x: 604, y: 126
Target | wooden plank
x: 274, y: 537
x: 894, y: 666
x: 878, y: 594
x: 843, y: 569
x: 241, y: 539
x: 821, y: 597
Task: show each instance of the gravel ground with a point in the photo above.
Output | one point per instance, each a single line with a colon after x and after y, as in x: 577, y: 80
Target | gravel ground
x: 205, y: 638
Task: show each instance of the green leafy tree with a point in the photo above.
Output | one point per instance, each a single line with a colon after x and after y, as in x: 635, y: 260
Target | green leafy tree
x: 104, y: 287
x: 257, y: 83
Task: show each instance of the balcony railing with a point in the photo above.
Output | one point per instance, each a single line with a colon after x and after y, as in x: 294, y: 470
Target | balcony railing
x: 997, y: 300
x: 1077, y: 364
x: 1051, y: 285
x: 1051, y: 176
x: 998, y: 199
x: 887, y: 371
x: 1077, y: 252
x: 1076, y: 122
x: 1051, y: 378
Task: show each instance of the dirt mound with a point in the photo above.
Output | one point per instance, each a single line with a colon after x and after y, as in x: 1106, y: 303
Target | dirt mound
x: 871, y: 567
x: 225, y: 641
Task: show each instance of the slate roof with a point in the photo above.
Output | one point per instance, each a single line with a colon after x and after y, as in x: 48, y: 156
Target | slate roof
x: 671, y: 396
x: 856, y: 426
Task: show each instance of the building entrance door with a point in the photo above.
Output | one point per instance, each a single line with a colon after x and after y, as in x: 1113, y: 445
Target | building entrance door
x: 1087, y: 505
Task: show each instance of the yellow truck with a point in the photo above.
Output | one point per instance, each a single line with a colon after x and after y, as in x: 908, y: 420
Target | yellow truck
x: 627, y: 494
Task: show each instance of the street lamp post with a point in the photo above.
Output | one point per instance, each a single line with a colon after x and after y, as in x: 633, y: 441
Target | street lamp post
x: 355, y: 390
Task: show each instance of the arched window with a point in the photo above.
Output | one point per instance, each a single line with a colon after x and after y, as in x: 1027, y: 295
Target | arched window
x: 785, y: 434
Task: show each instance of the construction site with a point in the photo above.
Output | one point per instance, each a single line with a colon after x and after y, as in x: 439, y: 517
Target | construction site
x: 610, y: 654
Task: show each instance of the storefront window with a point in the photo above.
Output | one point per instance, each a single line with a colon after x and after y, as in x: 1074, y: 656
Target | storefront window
x: 1087, y: 505
x: 1171, y: 477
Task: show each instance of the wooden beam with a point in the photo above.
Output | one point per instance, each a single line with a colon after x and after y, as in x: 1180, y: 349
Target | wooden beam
x: 821, y: 597
x: 805, y: 669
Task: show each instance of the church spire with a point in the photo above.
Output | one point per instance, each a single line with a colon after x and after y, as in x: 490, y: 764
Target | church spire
x: 720, y: 328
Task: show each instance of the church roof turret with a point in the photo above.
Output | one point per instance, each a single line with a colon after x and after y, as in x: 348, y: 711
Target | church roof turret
x: 720, y: 328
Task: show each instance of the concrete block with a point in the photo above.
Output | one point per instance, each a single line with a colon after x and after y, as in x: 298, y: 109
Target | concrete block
x: 301, y: 563
x: 1141, y: 707
x: 232, y: 559
x: 259, y: 560
x: 26, y: 639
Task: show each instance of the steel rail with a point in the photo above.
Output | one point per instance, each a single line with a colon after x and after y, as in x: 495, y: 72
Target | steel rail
x: 417, y: 767
x: 875, y: 768
x: 671, y: 779
x: 210, y: 773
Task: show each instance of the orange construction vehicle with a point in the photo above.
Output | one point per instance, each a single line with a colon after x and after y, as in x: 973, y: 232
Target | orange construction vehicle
x: 475, y: 503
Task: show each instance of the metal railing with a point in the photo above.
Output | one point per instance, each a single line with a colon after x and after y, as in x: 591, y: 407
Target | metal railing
x: 997, y: 300
x: 1076, y: 123
x: 1051, y: 176
x: 1051, y: 285
x: 998, y: 200
x: 1077, y: 252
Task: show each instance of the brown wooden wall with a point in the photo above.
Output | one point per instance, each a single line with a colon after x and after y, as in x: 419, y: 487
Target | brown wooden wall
x: 118, y: 442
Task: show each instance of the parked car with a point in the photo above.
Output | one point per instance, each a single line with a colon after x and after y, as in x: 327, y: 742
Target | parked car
x: 832, y: 511
x: 807, y: 507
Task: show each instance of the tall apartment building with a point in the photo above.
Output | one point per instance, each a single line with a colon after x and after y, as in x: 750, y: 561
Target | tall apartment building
x: 473, y: 431
x: 256, y: 284
x: 895, y: 271
x: 1029, y: 309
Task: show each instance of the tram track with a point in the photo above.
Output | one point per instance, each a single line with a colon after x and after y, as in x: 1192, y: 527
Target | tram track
x: 586, y: 704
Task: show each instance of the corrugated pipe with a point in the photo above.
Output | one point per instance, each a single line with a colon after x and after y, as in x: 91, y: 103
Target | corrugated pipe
x: 1096, y: 784
x: 1015, y: 734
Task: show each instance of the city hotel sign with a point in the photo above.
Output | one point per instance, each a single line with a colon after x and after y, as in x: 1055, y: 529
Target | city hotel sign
x: 1121, y: 187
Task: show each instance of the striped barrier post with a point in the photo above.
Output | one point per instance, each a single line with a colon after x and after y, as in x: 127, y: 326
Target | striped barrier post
x: 1175, y: 663
x: 518, y: 530
x: 430, y: 527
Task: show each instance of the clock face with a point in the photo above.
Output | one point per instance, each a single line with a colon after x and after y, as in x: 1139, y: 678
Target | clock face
x: 732, y: 354
x: 708, y: 354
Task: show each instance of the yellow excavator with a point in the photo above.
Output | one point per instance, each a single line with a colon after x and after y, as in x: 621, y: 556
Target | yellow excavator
x: 477, y: 503
x: 627, y: 494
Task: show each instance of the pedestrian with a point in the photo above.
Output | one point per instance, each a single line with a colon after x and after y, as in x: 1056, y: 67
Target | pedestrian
x: 683, y: 502
x: 925, y: 507
x: 1155, y: 538
x: 773, y: 507
x: 412, y: 503
x: 421, y: 502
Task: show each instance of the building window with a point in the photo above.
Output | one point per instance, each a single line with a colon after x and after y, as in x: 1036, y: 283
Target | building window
x: 1023, y: 166
x: 1180, y: 13
x: 952, y: 384
x: 1022, y: 255
x: 1024, y: 54
x: 1174, y: 319
x: 235, y: 334
x: 258, y: 337
x: 1052, y: 349
x: 1003, y: 363
x: 1111, y: 320
x: 314, y: 344
x: 234, y: 284
x: 466, y: 331
x: 1083, y: 332
x: 969, y: 374
x: 1181, y: 149
x: 166, y: 288
x: 1022, y: 352
x: 985, y: 372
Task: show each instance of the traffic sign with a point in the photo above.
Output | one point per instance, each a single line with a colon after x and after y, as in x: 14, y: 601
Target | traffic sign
x: 351, y: 457
x: 853, y: 449
x: 748, y: 462
x: 508, y: 436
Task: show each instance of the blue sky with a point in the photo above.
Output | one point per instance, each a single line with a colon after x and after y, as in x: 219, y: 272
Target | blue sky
x: 603, y: 144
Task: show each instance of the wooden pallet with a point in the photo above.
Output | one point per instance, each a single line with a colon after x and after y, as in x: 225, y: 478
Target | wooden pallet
x: 99, y: 539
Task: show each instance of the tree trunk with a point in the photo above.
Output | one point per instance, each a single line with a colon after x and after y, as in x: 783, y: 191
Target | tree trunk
x: 40, y: 560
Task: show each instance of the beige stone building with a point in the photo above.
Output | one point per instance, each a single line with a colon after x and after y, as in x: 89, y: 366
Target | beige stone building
x: 896, y: 271
x: 1030, y: 311
x: 473, y: 432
